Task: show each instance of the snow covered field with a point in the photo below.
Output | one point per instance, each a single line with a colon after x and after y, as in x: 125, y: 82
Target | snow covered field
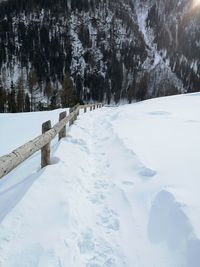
x: 123, y: 189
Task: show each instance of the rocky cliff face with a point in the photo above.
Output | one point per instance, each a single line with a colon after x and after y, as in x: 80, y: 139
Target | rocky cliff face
x: 112, y: 50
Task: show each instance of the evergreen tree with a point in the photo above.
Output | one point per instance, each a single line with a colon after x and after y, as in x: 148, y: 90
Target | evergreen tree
x: 53, y: 100
x: 142, y: 86
x: 131, y: 92
x: 40, y: 106
x: 79, y: 86
x: 68, y: 93
x: 32, y: 82
x: 2, y: 98
x: 9, y: 102
x: 12, y: 99
x: 48, y: 90
x: 27, y: 103
x: 20, y: 95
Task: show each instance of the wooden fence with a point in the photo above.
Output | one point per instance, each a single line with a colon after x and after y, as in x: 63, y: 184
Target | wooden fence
x: 42, y: 142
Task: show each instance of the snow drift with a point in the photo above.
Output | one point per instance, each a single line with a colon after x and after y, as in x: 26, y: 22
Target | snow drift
x: 122, y: 190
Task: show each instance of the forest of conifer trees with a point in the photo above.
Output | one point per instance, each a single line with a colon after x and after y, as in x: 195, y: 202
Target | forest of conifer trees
x: 87, y: 50
x: 56, y: 53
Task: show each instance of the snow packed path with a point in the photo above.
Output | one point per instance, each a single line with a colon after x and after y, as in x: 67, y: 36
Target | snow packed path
x: 95, y: 207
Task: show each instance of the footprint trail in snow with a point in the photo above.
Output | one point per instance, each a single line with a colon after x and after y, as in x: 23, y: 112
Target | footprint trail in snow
x: 89, y: 209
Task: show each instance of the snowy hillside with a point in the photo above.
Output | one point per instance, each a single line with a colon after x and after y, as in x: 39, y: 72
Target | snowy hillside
x: 113, y: 50
x: 123, y: 190
x: 174, y: 27
x: 110, y: 50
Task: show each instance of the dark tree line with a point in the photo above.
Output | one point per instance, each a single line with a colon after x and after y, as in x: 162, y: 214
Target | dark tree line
x: 91, y: 50
x: 14, y: 100
x: 37, y: 35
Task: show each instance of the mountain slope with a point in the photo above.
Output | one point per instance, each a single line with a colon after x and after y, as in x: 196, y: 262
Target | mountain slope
x: 98, y: 43
x: 111, y: 50
x: 175, y: 26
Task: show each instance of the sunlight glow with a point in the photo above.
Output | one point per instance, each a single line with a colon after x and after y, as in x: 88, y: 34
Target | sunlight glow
x: 196, y: 3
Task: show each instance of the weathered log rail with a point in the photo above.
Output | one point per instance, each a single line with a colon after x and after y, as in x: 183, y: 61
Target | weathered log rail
x: 43, y: 142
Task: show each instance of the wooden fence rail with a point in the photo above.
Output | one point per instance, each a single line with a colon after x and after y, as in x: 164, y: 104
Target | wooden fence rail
x: 42, y: 142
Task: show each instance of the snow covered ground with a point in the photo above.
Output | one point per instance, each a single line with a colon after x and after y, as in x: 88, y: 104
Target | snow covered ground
x: 123, y: 190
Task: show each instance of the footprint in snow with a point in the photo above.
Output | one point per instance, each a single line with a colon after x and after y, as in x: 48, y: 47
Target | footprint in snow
x: 85, y: 243
x: 97, y: 198
x: 101, y: 184
x: 79, y: 142
x: 108, y: 219
x: 108, y: 263
x: 99, y: 251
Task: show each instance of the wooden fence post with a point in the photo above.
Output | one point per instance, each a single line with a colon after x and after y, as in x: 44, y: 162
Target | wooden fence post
x: 62, y: 133
x: 46, y: 150
x: 12, y: 160
x: 72, y: 119
x: 76, y: 115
